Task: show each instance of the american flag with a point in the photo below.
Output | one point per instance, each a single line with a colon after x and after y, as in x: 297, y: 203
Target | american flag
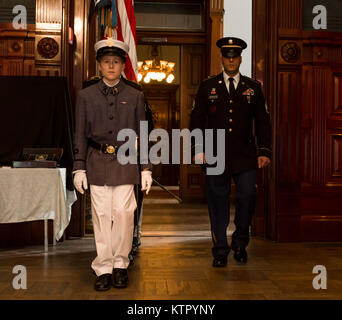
x: 126, y: 33
x: 117, y: 19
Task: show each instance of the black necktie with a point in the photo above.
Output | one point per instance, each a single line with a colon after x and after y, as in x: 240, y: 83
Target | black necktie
x: 231, y: 86
x: 110, y: 90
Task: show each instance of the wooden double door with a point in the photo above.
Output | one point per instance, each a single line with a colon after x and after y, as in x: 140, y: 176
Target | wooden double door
x: 162, y: 99
x: 300, y: 195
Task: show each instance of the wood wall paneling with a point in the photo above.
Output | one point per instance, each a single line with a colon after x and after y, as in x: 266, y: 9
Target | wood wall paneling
x: 260, y: 59
x: 162, y: 101
x: 20, y: 56
x: 79, y: 70
x: 335, y: 147
x: 290, y: 14
x: 307, y: 122
x: 16, y: 46
x: 193, y: 59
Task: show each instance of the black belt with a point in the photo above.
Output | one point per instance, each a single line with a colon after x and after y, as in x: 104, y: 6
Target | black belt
x: 103, y: 147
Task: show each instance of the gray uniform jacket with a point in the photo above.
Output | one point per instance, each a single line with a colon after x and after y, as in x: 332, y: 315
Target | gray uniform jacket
x: 101, y: 112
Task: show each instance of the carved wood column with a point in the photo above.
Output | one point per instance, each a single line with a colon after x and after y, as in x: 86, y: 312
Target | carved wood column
x: 215, y: 32
x: 80, y: 53
x: 48, y: 40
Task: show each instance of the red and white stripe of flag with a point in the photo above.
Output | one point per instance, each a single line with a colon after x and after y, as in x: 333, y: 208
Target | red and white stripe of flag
x: 126, y: 33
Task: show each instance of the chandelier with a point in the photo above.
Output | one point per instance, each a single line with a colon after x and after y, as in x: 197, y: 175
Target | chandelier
x: 155, y: 69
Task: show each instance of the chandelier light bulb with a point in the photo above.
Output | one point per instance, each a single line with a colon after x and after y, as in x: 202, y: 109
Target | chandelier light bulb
x: 170, y: 78
x: 140, y: 76
x: 163, y: 64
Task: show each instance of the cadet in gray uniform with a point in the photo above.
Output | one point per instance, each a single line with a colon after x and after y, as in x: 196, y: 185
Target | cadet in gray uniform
x: 102, y: 110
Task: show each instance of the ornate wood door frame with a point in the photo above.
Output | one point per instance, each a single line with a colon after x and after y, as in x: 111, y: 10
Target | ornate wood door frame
x: 301, y: 72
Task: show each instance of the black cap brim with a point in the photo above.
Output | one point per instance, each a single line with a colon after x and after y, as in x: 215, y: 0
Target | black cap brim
x: 231, y: 52
x: 111, y: 51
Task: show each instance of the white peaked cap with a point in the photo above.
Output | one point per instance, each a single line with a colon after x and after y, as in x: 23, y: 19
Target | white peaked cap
x: 110, y: 42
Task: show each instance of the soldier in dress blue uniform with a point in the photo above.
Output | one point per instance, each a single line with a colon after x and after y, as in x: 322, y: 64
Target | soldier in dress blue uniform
x: 102, y: 110
x: 233, y: 102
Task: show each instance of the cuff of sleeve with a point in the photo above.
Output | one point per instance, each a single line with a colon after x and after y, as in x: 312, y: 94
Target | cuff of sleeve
x: 79, y: 170
x: 266, y: 152
x: 79, y: 165
x: 193, y: 150
x: 146, y: 166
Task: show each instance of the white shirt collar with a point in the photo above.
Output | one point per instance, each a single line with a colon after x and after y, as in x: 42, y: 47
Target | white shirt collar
x: 108, y: 85
x: 236, y: 78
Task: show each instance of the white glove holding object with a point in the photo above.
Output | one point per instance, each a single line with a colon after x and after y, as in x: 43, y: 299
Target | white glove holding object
x: 146, y: 180
x: 80, y: 181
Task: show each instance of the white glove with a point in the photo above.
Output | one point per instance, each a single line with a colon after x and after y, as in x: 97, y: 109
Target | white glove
x: 146, y: 180
x: 80, y: 180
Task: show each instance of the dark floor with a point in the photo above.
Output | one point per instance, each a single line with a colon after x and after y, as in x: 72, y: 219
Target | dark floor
x: 174, y: 262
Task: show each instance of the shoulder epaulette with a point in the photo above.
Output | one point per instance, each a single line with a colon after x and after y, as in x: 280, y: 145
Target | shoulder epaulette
x: 90, y: 82
x: 252, y: 80
x: 132, y: 84
x: 210, y: 77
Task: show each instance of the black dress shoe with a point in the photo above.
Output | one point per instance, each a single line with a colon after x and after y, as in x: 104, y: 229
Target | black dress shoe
x: 120, y: 278
x: 103, y: 282
x: 220, y: 262
x: 240, y: 255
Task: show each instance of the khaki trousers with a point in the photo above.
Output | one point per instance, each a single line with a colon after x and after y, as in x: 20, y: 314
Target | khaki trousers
x: 113, y: 222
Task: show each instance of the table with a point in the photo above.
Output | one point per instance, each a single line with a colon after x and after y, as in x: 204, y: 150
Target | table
x: 29, y: 194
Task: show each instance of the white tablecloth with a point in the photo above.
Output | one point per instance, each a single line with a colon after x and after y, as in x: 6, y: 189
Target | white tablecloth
x: 36, y: 194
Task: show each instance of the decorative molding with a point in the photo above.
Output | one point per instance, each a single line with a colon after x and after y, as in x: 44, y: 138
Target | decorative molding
x: 335, y: 54
x: 15, y: 47
x: 287, y: 127
x: 337, y: 94
x: 14, y: 67
x: 290, y: 14
x: 49, y: 14
x: 29, y: 47
x: 320, y: 88
x: 48, y: 48
x: 336, y: 155
x: 3, y: 47
x: 48, y: 71
x: 290, y: 51
x: 306, y: 120
x: 216, y: 6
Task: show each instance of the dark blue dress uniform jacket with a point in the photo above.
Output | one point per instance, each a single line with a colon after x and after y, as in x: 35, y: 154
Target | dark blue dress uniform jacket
x: 215, y: 108
x: 100, y: 115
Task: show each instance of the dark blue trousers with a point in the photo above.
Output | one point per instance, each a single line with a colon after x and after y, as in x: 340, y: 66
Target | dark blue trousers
x: 218, y: 190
